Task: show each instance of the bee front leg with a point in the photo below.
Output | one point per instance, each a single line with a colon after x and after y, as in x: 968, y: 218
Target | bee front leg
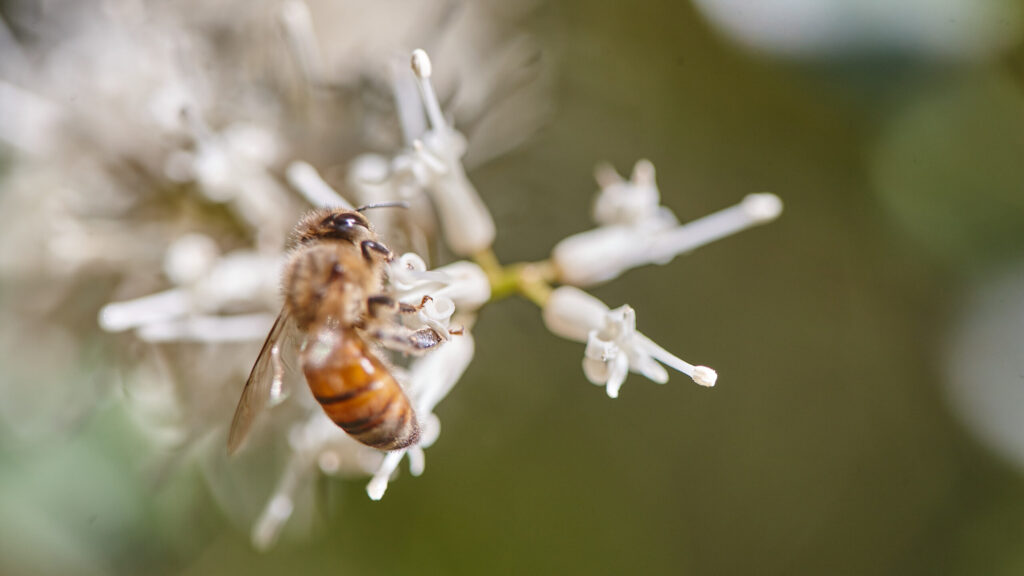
x: 368, y: 246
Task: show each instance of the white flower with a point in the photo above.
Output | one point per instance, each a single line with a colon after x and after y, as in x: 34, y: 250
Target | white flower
x: 614, y: 347
x: 463, y: 282
x: 467, y: 224
x: 460, y: 287
x: 636, y: 231
x: 626, y: 202
x: 830, y: 30
x: 206, y: 285
x: 30, y: 122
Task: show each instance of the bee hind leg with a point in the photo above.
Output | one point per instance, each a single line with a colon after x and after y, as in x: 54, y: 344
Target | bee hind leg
x: 407, y: 341
x: 378, y: 305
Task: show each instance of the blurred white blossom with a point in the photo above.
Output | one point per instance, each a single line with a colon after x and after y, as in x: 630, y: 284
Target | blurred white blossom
x: 939, y: 29
x: 163, y: 152
x: 983, y: 364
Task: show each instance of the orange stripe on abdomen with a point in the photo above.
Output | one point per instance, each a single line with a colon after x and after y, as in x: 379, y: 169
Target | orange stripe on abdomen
x: 358, y: 393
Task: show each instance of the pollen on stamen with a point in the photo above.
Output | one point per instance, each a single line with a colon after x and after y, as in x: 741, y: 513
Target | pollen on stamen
x: 763, y: 207
x: 421, y: 63
x: 704, y: 376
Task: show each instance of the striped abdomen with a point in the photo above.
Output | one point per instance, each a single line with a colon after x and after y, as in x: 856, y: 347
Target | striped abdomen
x: 356, y: 391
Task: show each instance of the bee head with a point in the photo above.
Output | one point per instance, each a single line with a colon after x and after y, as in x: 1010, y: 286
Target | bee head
x: 334, y: 224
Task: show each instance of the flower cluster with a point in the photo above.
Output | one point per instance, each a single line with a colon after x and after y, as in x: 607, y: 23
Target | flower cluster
x: 191, y: 226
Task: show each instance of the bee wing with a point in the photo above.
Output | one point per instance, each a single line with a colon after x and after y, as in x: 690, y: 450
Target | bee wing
x: 256, y: 393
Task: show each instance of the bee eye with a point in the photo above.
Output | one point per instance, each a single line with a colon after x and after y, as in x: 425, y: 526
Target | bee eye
x: 343, y: 222
x: 341, y: 226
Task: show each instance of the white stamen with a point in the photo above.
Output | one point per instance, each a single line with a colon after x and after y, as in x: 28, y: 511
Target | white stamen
x: 423, y: 69
x: 421, y: 66
x: 379, y: 483
x: 705, y: 376
x: 701, y: 374
x: 755, y: 209
x: 435, y: 165
x: 407, y: 102
x: 307, y: 181
x: 763, y: 207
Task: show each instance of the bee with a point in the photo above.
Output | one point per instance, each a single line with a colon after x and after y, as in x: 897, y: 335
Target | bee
x: 335, y: 305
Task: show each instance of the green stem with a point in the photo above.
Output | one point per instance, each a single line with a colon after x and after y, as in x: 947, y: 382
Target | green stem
x: 532, y: 280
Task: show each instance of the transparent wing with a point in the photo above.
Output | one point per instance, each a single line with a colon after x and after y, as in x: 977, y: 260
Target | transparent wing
x: 267, y: 371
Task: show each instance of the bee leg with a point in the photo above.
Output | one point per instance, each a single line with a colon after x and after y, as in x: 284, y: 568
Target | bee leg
x: 380, y: 304
x: 408, y: 341
x: 372, y: 245
x: 374, y: 305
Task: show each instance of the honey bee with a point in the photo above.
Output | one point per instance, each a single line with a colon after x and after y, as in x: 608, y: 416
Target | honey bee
x: 335, y: 304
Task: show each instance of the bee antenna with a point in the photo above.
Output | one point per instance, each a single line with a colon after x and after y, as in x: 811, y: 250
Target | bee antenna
x: 396, y: 204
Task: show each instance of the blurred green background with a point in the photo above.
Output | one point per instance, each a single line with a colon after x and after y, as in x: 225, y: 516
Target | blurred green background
x: 828, y: 445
